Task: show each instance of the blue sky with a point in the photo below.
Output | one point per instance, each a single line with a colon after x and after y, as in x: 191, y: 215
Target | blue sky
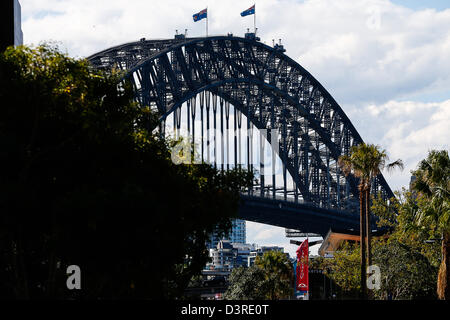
x: 423, y: 4
x: 385, y: 62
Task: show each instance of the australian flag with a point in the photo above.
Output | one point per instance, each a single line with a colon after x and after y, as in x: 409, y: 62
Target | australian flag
x: 249, y: 11
x: 200, y: 15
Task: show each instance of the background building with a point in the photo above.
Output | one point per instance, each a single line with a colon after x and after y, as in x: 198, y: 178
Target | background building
x: 11, y: 24
x: 228, y: 255
x: 237, y: 234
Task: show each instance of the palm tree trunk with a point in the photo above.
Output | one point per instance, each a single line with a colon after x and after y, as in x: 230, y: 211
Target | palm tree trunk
x: 362, y: 228
x: 368, y: 233
x: 369, y: 227
x: 443, y: 289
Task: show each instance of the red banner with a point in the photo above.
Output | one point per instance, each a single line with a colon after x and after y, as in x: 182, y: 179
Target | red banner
x: 302, y: 267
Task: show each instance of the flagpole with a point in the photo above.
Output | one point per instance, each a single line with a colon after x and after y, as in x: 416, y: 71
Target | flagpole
x: 206, y: 21
x: 254, y: 19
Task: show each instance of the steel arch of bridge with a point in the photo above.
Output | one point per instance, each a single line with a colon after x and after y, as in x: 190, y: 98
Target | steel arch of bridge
x: 265, y: 85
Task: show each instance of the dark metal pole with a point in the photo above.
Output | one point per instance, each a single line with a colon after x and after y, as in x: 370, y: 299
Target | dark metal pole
x: 214, y: 98
x: 208, y: 142
x: 227, y: 130
x: 235, y: 138
x: 193, y: 113
x: 222, y: 158
x: 362, y: 230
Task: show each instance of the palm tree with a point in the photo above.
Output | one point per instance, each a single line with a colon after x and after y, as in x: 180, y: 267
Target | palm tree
x: 366, y: 161
x: 433, y: 183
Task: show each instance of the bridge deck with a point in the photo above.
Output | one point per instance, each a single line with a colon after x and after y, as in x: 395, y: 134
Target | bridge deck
x: 298, y: 216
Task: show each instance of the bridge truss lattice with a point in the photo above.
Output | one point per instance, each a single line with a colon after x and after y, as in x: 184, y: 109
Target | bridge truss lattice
x: 229, y: 84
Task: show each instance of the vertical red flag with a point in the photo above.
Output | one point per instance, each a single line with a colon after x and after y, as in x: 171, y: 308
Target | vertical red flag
x: 302, y: 267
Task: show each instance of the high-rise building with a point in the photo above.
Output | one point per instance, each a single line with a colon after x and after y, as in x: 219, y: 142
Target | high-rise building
x: 237, y: 234
x: 11, y: 24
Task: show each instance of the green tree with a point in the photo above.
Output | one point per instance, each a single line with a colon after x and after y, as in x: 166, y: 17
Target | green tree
x: 366, y: 161
x: 246, y: 284
x: 345, y: 268
x: 406, y: 258
x: 405, y: 273
x: 270, y: 278
x: 399, y: 215
x: 278, y: 274
x: 433, y: 186
x: 84, y: 181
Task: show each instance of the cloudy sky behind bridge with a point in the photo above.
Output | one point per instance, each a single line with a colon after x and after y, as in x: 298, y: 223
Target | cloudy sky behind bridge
x: 385, y: 62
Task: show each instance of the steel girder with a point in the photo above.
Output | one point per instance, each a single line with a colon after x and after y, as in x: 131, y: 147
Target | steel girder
x: 269, y: 88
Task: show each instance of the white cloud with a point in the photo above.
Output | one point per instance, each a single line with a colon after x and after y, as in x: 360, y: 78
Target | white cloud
x: 268, y: 236
x: 406, y: 129
x: 335, y: 40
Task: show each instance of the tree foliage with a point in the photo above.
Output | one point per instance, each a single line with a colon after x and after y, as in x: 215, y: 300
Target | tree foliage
x: 84, y: 181
x: 366, y: 161
x: 278, y: 274
x: 405, y: 273
x: 408, y: 263
x: 270, y: 278
x: 399, y: 214
x: 422, y: 216
x: 433, y: 186
x: 344, y: 268
x: 246, y: 284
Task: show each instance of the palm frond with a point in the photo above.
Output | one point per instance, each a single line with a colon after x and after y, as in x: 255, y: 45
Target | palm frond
x: 394, y: 165
x: 345, y: 163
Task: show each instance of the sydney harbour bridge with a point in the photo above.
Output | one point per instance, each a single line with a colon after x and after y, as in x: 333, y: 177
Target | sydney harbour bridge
x: 228, y: 91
